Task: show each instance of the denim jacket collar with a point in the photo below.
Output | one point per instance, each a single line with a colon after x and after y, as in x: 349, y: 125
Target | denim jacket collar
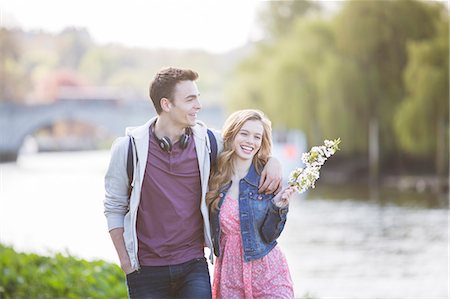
x: 252, y: 176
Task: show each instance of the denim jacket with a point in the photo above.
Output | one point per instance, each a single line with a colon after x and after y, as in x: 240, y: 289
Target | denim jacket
x: 261, y: 221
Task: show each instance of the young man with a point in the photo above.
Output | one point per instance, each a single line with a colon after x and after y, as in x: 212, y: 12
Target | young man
x: 160, y: 229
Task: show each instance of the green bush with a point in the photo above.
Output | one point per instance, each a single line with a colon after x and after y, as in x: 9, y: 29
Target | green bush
x: 28, y: 275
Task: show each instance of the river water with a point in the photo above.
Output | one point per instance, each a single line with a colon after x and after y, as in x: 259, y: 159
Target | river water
x: 350, y: 248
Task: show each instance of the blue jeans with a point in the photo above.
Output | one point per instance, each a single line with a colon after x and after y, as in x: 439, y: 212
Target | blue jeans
x: 186, y: 280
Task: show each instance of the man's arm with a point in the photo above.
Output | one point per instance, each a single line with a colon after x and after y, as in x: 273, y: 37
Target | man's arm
x: 119, y: 243
x: 271, y: 176
x: 116, y: 203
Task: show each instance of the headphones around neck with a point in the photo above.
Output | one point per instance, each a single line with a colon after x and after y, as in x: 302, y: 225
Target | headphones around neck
x: 166, y: 145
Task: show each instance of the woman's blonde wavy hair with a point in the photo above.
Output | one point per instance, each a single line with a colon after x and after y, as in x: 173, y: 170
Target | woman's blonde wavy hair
x: 224, y: 169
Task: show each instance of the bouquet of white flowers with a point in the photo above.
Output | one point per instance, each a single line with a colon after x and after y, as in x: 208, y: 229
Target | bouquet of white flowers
x: 305, y: 178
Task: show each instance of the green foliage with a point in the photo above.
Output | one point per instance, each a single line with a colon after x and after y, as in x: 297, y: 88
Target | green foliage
x: 426, y: 104
x: 300, y: 83
x: 73, y: 44
x: 98, y: 63
x: 330, y: 76
x: 29, y: 60
x: 246, y: 86
x: 12, y: 74
x: 375, y: 36
x: 277, y: 17
x: 339, y: 112
x: 426, y: 78
x: 25, y: 275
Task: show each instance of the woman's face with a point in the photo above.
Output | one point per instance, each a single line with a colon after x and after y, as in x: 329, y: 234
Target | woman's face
x: 248, y: 140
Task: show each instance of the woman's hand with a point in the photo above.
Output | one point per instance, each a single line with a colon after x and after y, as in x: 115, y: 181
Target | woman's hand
x: 281, y: 200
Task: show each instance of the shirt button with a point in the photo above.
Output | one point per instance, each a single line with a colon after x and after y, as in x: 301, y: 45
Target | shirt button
x: 260, y: 197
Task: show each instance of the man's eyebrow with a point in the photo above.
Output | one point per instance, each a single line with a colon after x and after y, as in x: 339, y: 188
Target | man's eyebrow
x: 192, y: 96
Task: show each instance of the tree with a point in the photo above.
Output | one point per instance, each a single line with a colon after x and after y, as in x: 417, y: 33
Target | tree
x: 12, y: 76
x: 422, y: 120
x: 98, y: 63
x: 284, y: 79
x: 73, y: 43
x: 375, y: 34
x: 246, y: 86
x: 278, y: 17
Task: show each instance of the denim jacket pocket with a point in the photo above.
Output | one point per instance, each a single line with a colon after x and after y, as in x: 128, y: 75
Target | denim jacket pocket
x: 260, y: 204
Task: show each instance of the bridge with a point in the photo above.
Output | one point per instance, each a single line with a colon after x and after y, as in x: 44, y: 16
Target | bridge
x: 19, y: 121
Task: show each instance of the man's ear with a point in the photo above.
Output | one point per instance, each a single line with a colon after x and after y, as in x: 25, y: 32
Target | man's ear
x: 166, y: 105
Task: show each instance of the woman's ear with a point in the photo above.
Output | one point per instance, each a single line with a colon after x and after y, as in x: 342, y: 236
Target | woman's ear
x: 166, y: 105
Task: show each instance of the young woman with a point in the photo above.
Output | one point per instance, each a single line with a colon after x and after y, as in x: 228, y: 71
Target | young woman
x: 245, y: 224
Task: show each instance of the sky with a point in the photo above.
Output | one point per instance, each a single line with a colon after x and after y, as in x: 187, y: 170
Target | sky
x: 213, y: 25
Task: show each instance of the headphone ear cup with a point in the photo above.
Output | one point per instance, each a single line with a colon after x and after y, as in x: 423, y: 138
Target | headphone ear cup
x: 165, y: 144
x: 184, y: 141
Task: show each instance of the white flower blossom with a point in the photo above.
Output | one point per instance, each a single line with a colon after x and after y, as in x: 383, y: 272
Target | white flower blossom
x: 305, y: 178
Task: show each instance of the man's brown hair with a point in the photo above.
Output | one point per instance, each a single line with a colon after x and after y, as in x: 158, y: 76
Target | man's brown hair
x: 163, y: 85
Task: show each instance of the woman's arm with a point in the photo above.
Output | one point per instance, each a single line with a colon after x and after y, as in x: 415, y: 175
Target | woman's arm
x: 276, y: 216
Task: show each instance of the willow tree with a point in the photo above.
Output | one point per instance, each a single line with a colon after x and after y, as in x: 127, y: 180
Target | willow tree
x: 282, y: 78
x: 422, y: 120
x: 374, y: 34
x: 278, y: 17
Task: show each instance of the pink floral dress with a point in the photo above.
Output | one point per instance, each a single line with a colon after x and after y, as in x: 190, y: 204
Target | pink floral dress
x: 267, y: 277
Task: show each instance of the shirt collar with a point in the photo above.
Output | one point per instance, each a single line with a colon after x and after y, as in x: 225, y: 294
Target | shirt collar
x: 252, y: 176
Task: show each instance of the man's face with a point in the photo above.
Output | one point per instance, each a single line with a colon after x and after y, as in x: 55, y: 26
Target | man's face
x: 185, y: 104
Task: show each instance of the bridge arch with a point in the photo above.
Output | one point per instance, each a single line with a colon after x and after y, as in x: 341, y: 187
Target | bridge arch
x: 18, y: 121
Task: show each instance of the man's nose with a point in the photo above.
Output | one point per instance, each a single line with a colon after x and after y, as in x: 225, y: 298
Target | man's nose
x: 197, y: 104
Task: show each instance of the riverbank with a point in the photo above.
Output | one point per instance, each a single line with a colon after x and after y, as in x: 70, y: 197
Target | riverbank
x: 387, y: 195
x: 414, y: 185
x: 28, y: 275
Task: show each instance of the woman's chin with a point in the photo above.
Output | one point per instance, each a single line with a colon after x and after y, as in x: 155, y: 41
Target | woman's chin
x: 245, y: 156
